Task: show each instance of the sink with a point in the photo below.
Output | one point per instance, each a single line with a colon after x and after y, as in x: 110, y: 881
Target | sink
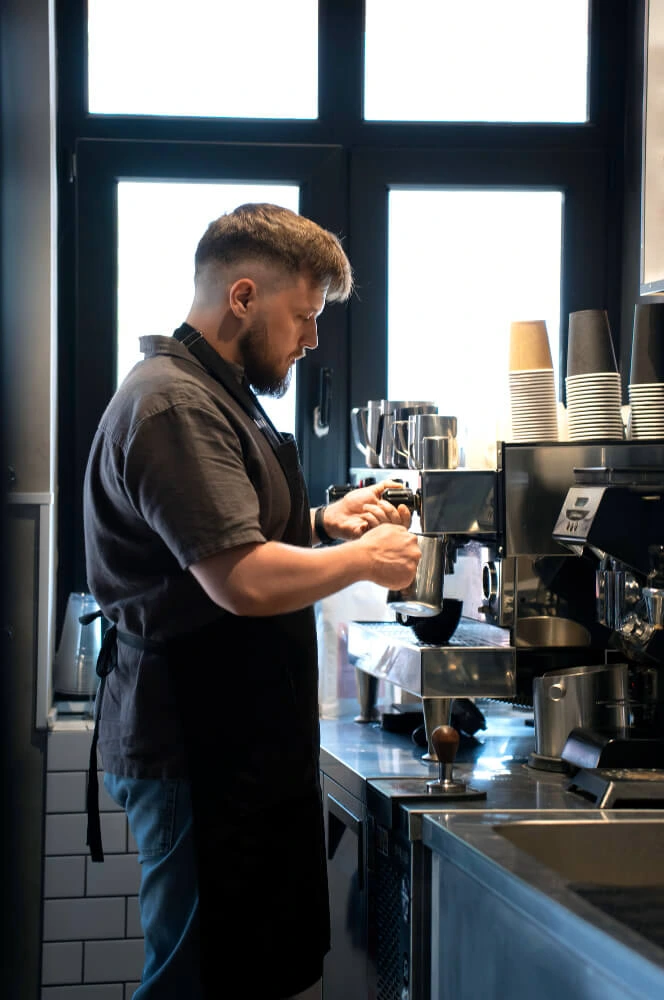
x: 627, y: 853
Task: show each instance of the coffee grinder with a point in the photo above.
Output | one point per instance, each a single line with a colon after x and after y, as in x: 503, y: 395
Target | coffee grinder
x: 616, y: 512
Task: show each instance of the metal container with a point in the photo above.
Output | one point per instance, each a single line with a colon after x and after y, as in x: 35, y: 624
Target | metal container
x: 430, y: 425
x: 364, y: 423
x: 545, y: 631
x: 584, y: 697
x: 76, y: 659
x: 393, y: 412
x: 424, y: 596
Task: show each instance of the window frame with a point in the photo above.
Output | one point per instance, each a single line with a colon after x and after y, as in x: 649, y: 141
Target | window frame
x: 584, y: 235
x: 320, y: 173
x: 347, y: 195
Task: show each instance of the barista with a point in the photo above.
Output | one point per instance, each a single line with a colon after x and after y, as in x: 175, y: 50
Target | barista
x: 199, y: 550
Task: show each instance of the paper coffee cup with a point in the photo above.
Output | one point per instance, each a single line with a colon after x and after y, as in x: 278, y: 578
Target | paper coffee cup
x: 529, y: 345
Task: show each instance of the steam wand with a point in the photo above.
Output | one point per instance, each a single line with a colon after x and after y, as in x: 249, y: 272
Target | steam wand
x: 645, y: 634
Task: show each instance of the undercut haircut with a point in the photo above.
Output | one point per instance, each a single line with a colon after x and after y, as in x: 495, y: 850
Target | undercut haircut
x: 277, y: 237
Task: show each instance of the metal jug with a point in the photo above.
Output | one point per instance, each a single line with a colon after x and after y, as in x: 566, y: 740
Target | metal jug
x: 591, y: 697
x: 422, y: 427
x: 394, y: 411
x: 364, y: 423
x: 423, y: 597
x: 76, y: 659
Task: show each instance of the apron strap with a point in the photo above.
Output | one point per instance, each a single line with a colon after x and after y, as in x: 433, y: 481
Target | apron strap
x: 93, y: 839
x: 106, y: 662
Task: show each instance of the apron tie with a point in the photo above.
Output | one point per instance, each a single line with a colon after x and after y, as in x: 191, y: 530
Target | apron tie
x: 106, y: 662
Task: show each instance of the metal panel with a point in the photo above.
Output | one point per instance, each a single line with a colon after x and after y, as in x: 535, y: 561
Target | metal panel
x: 39, y: 507
x: 477, y: 661
x: 530, y: 927
x: 537, y: 477
x: 459, y: 502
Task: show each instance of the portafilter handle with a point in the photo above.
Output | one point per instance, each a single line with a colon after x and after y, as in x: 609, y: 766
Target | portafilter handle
x: 336, y: 492
x: 404, y: 495
x: 393, y: 494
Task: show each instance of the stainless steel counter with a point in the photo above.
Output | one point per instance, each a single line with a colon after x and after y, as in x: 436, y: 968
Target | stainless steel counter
x: 388, y: 771
x: 509, y: 918
x: 353, y: 752
x: 540, y: 902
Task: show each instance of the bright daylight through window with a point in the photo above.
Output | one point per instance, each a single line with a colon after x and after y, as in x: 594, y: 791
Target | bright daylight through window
x: 254, y: 59
x: 475, y: 61
x: 462, y: 265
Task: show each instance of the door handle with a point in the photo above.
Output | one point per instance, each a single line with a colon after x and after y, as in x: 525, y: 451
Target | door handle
x: 345, y: 820
x: 322, y: 411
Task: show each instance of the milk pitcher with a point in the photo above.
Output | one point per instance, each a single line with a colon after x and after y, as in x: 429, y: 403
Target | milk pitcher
x: 423, y: 597
x: 364, y: 424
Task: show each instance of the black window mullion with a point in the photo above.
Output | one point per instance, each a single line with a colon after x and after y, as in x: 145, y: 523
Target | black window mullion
x: 325, y: 457
x: 341, y: 63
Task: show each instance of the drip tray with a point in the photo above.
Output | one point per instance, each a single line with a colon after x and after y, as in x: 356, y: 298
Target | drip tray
x: 478, y: 660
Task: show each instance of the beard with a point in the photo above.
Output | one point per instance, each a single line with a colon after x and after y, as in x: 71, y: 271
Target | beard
x: 259, y: 369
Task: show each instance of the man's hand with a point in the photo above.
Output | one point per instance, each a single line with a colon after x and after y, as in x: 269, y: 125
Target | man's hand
x: 362, y: 509
x: 394, y: 555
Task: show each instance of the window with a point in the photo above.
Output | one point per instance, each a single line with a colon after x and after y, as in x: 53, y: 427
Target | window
x: 476, y: 61
x: 462, y: 265
x: 392, y: 152
x: 254, y: 59
x: 467, y: 246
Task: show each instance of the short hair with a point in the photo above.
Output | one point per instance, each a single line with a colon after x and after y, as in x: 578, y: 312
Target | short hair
x: 273, y: 235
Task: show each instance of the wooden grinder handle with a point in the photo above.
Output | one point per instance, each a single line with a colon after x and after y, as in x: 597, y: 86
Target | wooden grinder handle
x: 445, y: 742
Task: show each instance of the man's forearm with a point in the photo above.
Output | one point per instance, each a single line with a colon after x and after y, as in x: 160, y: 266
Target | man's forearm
x: 274, y: 578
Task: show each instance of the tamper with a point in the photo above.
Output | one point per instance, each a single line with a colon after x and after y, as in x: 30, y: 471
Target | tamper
x: 445, y: 741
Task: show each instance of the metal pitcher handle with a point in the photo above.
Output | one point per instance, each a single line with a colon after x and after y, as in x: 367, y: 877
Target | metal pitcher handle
x: 359, y: 415
x: 401, y: 442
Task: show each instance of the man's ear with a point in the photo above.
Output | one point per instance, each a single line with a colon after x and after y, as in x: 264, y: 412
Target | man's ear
x: 241, y: 295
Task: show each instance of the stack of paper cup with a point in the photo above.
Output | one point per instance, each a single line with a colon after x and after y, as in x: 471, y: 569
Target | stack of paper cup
x: 646, y: 379
x: 594, y: 391
x: 533, y: 406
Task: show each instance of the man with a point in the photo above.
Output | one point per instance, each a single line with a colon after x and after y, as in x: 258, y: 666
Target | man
x: 199, y: 550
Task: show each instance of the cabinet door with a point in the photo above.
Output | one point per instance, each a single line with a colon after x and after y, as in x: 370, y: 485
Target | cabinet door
x: 345, y: 970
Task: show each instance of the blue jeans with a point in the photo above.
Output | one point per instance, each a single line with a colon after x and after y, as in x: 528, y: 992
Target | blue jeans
x: 160, y: 820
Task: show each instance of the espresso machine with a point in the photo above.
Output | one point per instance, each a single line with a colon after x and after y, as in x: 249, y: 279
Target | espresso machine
x: 477, y: 660
x: 528, y: 598
x: 614, y: 512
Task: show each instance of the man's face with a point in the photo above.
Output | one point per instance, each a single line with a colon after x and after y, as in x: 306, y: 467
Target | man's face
x: 283, y: 330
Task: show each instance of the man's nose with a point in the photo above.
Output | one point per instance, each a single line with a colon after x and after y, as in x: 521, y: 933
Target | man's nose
x: 311, y: 335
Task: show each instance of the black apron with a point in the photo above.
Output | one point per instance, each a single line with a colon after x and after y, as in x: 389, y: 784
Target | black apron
x: 248, y: 688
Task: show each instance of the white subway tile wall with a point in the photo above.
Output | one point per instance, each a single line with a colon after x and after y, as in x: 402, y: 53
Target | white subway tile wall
x: 92, y: 939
